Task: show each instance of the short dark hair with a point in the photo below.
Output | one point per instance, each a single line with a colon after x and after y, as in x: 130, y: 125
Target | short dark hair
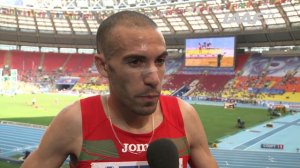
x: 130, y: 18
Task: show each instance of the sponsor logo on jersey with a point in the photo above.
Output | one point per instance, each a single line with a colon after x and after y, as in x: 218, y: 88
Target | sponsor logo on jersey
x: 134, y: 147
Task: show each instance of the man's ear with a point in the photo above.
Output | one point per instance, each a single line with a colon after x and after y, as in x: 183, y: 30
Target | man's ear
x: 101, y: 65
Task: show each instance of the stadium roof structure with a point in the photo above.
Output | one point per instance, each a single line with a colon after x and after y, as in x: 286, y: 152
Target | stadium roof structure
x: 73, y: 23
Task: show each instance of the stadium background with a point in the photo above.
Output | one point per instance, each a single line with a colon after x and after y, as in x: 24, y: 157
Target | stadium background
x: 47, y: 47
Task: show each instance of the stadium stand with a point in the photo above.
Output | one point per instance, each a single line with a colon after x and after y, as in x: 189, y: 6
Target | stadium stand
x: 78, y: 63
x: 2, y: 58
x: 271, y: 75
x: 241, y: 60
x: 24, y: 61
x: 53, y: 61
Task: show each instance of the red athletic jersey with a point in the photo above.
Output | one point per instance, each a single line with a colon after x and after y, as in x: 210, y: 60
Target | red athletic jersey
x: 100, y: 148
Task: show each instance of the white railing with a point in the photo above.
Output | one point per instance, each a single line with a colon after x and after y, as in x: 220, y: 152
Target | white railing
x: 22, y: 124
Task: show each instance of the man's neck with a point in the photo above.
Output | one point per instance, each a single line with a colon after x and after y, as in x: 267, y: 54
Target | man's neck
x: 127, y: 120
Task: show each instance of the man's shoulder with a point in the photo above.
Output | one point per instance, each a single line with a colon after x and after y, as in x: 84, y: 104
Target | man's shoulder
x: 185, y: 107
x: 173, y: 99
x: 71, y: 110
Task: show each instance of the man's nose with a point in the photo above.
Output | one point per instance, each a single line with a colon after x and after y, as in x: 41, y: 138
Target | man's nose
x: 151, y: 76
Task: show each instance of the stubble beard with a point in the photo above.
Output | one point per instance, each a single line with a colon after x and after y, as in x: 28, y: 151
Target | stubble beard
x: 145, y: 109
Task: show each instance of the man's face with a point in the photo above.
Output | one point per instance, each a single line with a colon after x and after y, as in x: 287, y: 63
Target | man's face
x: 136, y: 68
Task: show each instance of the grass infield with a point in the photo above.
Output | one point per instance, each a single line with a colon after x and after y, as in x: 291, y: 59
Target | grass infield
x: 218, y: 122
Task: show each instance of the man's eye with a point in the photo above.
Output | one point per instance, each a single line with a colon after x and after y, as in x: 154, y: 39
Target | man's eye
x: 136, y: 62
x: 160, y: 61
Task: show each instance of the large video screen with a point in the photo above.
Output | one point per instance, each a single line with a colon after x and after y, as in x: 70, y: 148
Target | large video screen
x: 210, y: 52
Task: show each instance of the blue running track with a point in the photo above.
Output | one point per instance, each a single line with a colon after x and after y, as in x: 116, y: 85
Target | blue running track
x: 241, y: 150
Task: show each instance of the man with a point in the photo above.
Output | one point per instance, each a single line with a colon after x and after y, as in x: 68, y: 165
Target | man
x: 115, y: 130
